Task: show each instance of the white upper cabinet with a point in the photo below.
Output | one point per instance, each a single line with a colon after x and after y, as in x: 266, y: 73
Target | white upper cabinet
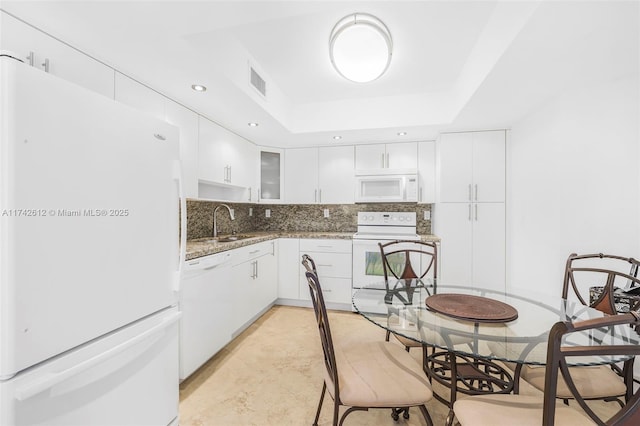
x: 489, y: 166
x: 386, y: 156
x: 319, y: 175
x: 50, y: 55
x: 187, y: 122
x: 427, y: 172
x: 472, y: 167
x: 225, y: 158
x: 301, y: 175
x: 336, y: 181
x: 271, y: 182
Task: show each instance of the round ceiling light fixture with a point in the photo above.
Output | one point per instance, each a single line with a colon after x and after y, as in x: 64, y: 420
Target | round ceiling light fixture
x: 360, y: 47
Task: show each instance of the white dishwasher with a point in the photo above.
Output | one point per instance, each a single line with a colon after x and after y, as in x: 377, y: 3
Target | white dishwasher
x: 206, y: 310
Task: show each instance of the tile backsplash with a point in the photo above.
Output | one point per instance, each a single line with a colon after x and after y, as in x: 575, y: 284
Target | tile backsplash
x: 289, y: 217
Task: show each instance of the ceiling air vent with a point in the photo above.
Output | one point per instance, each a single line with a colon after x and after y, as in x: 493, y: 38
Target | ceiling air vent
x: 258, y: 82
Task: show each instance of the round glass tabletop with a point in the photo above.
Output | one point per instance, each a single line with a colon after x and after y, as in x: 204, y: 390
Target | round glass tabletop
x: 400, y: 307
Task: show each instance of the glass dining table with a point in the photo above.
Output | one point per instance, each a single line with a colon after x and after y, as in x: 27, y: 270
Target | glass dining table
x: 461, y: 343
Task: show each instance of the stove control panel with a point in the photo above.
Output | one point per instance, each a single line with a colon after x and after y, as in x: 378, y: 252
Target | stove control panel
x: 387, y: 218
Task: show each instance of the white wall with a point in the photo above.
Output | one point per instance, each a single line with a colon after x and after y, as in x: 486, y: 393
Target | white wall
x: 573, y: 182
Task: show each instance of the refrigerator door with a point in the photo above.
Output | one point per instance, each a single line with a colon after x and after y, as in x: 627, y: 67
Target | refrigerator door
x: 89, y: 216
x: 129, y: 377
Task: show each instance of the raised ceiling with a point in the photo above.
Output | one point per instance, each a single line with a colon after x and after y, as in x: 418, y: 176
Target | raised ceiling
x: 456, y: 65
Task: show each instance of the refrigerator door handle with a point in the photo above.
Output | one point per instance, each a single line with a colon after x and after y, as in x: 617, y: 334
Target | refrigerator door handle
x: 50, y: 380
x: 177, y: 177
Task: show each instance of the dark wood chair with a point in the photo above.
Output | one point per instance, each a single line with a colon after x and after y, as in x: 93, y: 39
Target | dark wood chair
x: 605, y: 272
x: 600, y: 270
x: 365, y: 375
x: 501, y: 409
x: 412, y: 261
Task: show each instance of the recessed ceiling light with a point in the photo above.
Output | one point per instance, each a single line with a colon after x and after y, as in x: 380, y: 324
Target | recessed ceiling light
x: 198, y: 87
x: 360, y: 47
x: 252, y: 124
x: 402, y: 133
x: 337, y: 138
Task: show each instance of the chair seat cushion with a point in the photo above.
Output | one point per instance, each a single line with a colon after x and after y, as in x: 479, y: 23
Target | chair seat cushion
x: 407, y: 342
x: 591, y: 382
x: 509, y: 410
x: 380, y: 374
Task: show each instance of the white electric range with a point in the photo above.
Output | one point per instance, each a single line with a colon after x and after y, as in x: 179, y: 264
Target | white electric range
x: 374, y: 228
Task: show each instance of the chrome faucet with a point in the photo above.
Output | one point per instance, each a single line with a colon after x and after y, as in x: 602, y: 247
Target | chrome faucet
x: 215, y: 222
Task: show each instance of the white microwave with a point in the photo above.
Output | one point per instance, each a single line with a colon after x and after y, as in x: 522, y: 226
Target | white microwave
x: 387, y: 188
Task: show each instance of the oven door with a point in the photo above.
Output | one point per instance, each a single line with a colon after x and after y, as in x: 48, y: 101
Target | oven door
x: 367, y: 263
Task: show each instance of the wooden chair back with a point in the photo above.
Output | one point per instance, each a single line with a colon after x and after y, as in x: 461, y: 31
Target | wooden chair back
x: 607, y: 271
x: 402, y: 259
x: 559, y: 350
x: 322, y: 319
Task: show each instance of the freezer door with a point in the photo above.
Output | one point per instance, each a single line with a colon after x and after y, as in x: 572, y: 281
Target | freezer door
x: 127, y: 378
x: 89, y: 224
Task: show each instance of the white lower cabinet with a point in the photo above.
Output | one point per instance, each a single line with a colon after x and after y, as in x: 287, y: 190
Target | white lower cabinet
x: 333, y: 262
x: 219, y: 296
x: 289, y: 268
x: 254, y: 281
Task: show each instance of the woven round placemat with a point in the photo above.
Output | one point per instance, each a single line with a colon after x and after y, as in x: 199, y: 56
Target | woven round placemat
x: 472, y: 308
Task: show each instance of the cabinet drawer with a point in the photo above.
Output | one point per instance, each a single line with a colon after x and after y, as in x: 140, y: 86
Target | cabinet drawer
x: 251, y: 252
x: 336, y: 290
x: 326, y: 245
x: 336, y: 265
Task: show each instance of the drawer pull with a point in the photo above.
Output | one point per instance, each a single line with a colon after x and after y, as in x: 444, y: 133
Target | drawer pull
x: 254, y: 252
x: 326, y: 291
x: 327, y: 266
x: 326, y: 246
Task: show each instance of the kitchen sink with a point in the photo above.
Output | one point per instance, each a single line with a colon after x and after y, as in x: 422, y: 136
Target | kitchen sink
x: 229, y: 239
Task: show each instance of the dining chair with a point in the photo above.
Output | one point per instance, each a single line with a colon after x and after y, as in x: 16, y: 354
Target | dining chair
x: 604, y: 272
x: 407, y: 260
x: 509, y: 409
x: 367, y: 375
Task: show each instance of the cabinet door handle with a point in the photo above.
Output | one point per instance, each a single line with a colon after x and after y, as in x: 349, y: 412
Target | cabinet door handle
x: 387, y: 160
x: 476, y: 192
x: 249, y: 193
x: 320, y: 195
x: 30, y: 58
x: 476, y: 212
x: 469, y: 212
x: 229, y: 174
x: 45, y: 65
x: 315, y: 196
x: 382, y: 160
x: 254, y: 269
x: 469, y: 190
x: 258, y: 195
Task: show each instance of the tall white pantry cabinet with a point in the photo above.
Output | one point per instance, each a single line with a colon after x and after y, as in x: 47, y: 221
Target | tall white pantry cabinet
x: 470, y: 214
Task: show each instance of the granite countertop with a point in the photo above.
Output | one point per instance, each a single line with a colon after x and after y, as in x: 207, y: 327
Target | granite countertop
x: 207, y: 246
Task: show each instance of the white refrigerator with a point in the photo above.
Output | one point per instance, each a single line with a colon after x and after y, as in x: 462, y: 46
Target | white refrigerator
x: 90, y: 249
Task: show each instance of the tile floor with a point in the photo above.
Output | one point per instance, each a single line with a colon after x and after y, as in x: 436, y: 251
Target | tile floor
x: 271, y: 375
